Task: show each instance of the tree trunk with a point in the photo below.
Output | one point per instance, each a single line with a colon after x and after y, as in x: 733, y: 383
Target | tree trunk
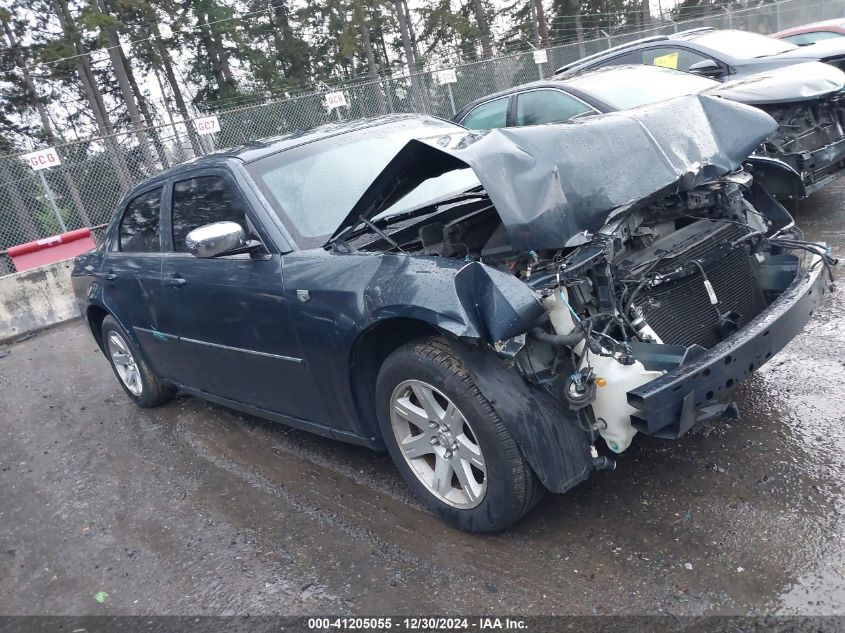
x: 116, y: 57
x: 210, y: 46
x: 145, y: 110
x: 25, y: 223
x: 484, y: 27
x: 49, y: 132
x: 93, y: 95
x: 181, y: 106
x: 367, y: 41
x: 417, y: 90
x: 579, y: 29
x: 542, y: 25
x: 412, y: 35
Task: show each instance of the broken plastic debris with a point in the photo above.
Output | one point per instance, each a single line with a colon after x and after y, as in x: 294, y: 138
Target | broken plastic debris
x: 101, y: 596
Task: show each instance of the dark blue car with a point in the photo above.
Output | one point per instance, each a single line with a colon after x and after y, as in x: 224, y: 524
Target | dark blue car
x: 494, y: 309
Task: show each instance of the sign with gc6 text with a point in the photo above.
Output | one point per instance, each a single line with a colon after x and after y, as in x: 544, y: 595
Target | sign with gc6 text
x: 42, y: 159
x: 335, y: 100
x: 541, y: 56
x: 207, y: 125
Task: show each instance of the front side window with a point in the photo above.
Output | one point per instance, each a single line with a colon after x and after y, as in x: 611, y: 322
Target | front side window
x: 547, y: 106
x: 140, y: 227
x: 673, y: 57
x: 204, y: 200
x: 493, y: 114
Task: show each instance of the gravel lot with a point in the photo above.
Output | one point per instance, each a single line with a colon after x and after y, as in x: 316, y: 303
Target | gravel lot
x: 192, y: 509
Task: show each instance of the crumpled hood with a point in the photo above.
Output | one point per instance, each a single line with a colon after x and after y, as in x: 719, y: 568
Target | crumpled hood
x: 787, y: 84
x: 550, y: 183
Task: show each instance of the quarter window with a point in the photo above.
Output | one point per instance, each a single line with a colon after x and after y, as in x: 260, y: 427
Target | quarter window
x: 140, y: 226
x: 488, y: 115
x: 204, y: 200
x: 547, y: 106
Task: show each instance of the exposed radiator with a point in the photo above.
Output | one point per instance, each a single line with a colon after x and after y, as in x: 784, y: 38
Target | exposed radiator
x: 680, y: 311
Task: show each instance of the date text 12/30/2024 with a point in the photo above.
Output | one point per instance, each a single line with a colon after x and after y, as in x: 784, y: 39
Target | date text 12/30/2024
x: 421, y: 623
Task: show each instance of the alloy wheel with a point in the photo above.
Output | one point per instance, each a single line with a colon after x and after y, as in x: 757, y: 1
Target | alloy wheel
x: 124, y: 363
x: 438, y: 444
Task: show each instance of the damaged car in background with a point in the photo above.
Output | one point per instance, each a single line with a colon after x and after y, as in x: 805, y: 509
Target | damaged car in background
x: 807, y: 100
x: 497, y: 309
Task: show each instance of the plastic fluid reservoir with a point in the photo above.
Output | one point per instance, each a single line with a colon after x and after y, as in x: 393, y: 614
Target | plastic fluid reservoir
x: 611, y: 403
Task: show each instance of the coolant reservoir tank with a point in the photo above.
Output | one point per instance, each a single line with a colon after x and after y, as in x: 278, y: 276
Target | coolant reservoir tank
x: 611, y: 408
x: 559, y: 313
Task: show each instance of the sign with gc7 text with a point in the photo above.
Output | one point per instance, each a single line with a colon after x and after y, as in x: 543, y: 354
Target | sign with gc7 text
x: 42, y: 159
x: 207, y: 125
x: 335, y: 100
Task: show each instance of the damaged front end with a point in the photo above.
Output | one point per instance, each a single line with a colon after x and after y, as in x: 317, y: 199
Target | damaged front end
x: 665, y: 273
x: 808, y: 102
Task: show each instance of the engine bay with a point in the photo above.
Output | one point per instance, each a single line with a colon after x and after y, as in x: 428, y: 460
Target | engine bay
x: 660, y: 283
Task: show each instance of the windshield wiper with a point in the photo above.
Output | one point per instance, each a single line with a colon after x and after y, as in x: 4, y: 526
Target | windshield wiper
x: 381, y: 233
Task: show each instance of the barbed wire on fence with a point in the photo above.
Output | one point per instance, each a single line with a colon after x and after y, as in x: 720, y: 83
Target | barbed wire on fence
x: 95, y: 173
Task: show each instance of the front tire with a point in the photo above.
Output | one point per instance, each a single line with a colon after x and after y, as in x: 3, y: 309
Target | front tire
x: 133, y: 374
x: 447, y: 441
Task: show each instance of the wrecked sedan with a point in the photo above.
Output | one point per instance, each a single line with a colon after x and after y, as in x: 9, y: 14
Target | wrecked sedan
x: 493, y: 309
x: 807, y: 100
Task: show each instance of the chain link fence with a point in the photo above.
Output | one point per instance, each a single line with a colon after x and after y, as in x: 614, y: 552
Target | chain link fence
x: 96, y: 173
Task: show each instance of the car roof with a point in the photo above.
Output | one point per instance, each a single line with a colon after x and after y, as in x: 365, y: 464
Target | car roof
x: 689, y: 34
x: 838, y: 23
x: 255, y: 150
x: 568, y: 81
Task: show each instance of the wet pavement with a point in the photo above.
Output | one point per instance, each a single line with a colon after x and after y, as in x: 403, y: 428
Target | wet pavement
x: 193, y: 509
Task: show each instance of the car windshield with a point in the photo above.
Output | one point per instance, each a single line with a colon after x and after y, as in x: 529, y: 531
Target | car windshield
x: 313, y: 187
x: 633, y: 86
x: 743, y: 45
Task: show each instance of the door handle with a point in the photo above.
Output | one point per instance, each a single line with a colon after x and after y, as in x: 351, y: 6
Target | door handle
x: 177, y: 281
x: 109, y: 276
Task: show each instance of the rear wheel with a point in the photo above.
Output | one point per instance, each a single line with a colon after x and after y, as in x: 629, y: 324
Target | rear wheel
x: 446, y: 439
x: 133, y: 374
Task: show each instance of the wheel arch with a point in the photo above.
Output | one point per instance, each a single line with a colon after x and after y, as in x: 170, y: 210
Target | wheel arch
x: 369, y: 351
x: 95, y: 314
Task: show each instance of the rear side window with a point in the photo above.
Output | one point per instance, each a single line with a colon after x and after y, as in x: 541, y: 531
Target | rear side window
x: 140, y: 228
x: 204, y: 200
x: 672, y: 57
x: 488, y: 115
x: 547, y: 106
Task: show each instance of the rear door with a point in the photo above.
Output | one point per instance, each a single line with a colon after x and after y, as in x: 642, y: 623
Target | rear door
x: 131, y: 272
x: 230, y: 312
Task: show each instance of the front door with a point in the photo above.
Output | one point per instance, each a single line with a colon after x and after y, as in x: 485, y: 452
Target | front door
x: 230, y: 312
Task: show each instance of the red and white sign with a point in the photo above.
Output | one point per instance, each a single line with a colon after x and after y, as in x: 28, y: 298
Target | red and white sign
x: 335, y: 100
x: 42, y: 159
x: 207, y: 125
x: 541, y: 56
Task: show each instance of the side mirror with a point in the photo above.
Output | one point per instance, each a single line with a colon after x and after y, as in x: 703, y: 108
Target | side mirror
x: 215, y: 239
x: 707, y: 68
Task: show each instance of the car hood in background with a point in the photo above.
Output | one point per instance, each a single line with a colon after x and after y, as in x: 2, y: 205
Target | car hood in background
x: 834, y: 47
x: 551, y: 183
x: 787, y: 84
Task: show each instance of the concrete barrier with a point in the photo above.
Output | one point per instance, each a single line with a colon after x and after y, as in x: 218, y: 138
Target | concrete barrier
x: 35, y: 299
